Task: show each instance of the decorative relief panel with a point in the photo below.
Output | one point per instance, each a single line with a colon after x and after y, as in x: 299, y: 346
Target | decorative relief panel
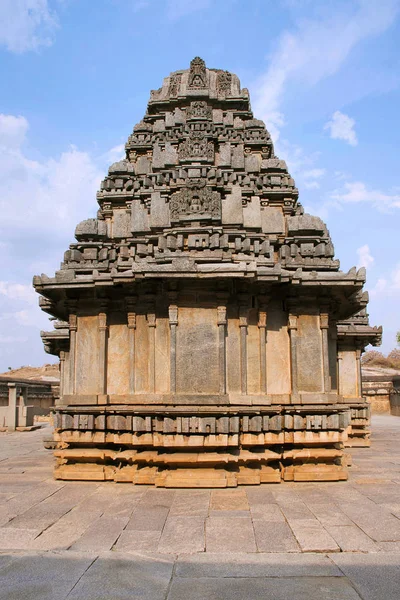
x: 174, y: 84
x: 224, y: 82
x: 196, y: 201
x: 197, y: 73
x: 196, y: 147
x: 199, y: 109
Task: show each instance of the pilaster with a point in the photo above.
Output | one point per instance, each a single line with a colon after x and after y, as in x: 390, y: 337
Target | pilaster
x: 292, y: 327
x: 173, y: 323
x: 324, y: 325
x: 151, y: 322
x: 103, y: 329
x: 73, y: 326
x: 131, y: 318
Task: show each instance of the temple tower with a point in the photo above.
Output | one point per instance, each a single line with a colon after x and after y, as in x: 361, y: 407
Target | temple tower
x: 206, y: 334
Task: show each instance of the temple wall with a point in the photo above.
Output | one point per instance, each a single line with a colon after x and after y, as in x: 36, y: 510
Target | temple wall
x: 333, y: 366
x: 197, y: 359
x: 233, y: 351
x: 253, y: 353
x: 278, y: 351
x: 87, y: 353
x: 117, y: 355
x: 141, y: 354
x: 348, y: 375
x: 162, y: 356
x: 309, y: 354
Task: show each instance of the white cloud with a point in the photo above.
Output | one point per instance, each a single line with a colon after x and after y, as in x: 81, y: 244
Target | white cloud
x: 310, y: 178
x: 18, y: 291
x: 41, y: 203
x: 114, y: 154
x: 48, y: 197
x: 181, y: 8
x: 315, y: 50
x: 12, y: 339
x: 13, y: 131
x: 311, y: 185
x: 364, y: 257
x: 314, y: 173
x: 396, y: 278
x: 380, y: 287
x: 357, y: 191
x: 341, y: 127
x: 26, y: 25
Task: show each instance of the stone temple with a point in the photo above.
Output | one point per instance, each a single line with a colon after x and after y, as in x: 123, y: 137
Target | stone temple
x: 206, y: 335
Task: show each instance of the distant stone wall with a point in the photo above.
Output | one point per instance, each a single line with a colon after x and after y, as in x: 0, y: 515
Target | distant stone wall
x: 395, y: 397
x: 377, y: 390
x: 32, y: 398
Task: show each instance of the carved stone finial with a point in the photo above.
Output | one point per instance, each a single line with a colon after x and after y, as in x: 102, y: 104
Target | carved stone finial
x: 197, y: 74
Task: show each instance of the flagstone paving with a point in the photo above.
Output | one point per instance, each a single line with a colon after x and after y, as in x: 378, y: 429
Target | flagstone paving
x: 83, y: 540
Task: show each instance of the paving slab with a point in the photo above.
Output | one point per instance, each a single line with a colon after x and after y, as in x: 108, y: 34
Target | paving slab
x: 352, y: 539
x: 274, y: 537
x: 282, y: 588
x: 183, y: 534
x: 12, y: 538
x: 227, y: 500
x: 267, y: 512
x: 148, y: 518
x: 190, y: 503
x: 137, y: 541
x: 312, y: 537
x: 128, y: 577
x: 46, y: 576
x: 229, y: 534
x: 329, y: 514
x: 241, y: 564
x: 66, y: 531
x: 101, y: 535
x: 375, y: 576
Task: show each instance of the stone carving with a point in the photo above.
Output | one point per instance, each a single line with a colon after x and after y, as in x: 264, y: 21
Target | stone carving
x: 196, y: 147
x: 224, y: 83
x: 197, y: 73
x: 194, y: 202
x: 204, y: 312
x: 174, y: 84
x: 199, y: 109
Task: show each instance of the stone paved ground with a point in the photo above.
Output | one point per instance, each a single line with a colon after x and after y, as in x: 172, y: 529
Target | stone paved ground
x: 78, y: 540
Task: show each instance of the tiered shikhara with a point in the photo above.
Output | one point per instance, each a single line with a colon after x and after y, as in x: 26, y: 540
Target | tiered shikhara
x: 206, y: 334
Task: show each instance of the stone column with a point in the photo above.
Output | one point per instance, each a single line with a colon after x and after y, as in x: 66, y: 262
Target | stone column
x: 262, y: 328
x: 131, y: 342
x: 22, y: 410
x: 73, y: 325
x: 173, y: 322
x: 151, y: 322
x: 292, y: 327
x: 243, y: 315
x: 359, y: 375
x: 102, y: 321
x: 62, y: 372
x: 131, y: 318
x: 324, y: 324
x: 12, y: 407
x: 221, y: 319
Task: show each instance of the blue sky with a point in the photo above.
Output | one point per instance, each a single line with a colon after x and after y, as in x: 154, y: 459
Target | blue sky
x: 76, y: 76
